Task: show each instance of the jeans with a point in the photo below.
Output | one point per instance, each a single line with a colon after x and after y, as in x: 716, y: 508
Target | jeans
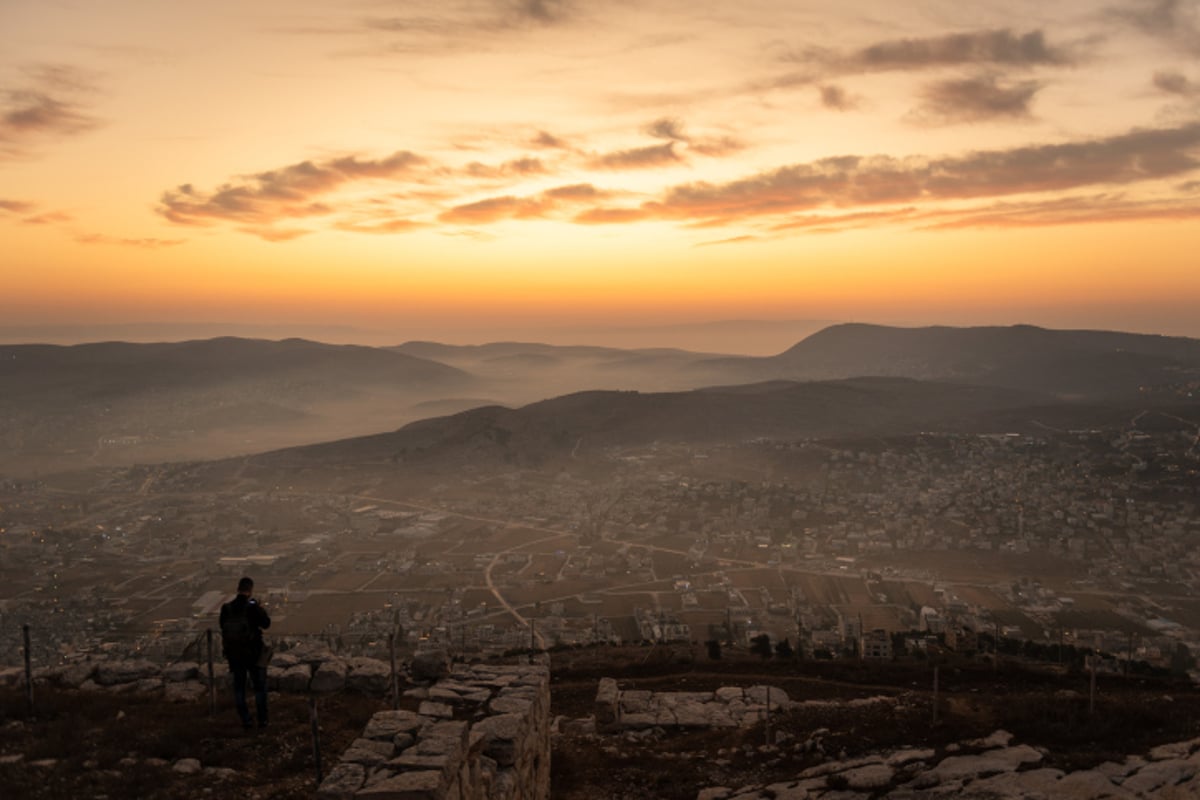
x: 258, y: 678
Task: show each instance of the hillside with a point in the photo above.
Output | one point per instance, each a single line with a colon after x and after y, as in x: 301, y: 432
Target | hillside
x: 1093, y: 364
x: 113, y: 402
x: 582, y: 424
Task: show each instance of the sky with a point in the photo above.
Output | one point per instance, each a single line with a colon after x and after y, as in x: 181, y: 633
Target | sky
x: 467, y: 169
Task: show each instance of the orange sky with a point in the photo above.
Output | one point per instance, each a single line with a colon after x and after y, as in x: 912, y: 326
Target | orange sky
x: 465, y: 169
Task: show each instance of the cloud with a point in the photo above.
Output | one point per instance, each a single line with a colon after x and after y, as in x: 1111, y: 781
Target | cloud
x: 1103, y: 208
x: 731, y: 240
x: 549, y: 141
x: 576, y: 191
x: 610, y: 216
x: 146, y: 243
x: 287, y: 193
x: 989, y: 47
x: 276, y: 234
x: 543, y: 12
x: 1173, y: 82
x: 517, y: 167
x: 494, y: 209
x: 984, y: 97
x: 51, y: 103
x: 48, y: 218
x: 852, y: 181
x: 656, y: 155
x: 1172, y: 21
x: 667, y: 128
x: 385, y: 227
x: 16, y: 206
x: 836, y: 98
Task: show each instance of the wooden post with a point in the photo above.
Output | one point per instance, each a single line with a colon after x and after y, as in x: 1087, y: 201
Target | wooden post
x: 935, y: 695
x: 212, y: 681
x: 316, y: 737
x: 532, y: 633
x: 395, y: 678
x: 28, y: 670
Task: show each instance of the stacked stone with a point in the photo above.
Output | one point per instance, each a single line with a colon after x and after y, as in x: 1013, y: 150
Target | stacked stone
x: 306, y: 668
x: 990, y: 768
x: 727, y: 707
x: 480, y: 733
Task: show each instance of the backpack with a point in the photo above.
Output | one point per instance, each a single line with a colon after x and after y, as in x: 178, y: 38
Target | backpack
x: 237, y: 632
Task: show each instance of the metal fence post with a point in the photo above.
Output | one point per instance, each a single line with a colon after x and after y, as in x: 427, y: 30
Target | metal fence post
x: 935, y: 695
x: 28, y: 670
x: 395, y: 678
x: 316, y: 736
x: 212, y: 681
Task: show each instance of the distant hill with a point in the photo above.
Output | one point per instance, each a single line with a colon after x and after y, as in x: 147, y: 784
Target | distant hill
x: 581, y: 424
x: 1083, y: 364
x: 112, y: 401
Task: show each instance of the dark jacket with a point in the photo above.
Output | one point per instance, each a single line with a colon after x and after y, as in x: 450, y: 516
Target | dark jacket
x: 258, y: 620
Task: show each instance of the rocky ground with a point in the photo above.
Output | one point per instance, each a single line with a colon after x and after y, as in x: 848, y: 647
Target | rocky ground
x: 116, y: 743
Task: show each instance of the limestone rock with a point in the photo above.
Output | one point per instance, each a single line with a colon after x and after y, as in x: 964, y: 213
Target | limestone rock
x: 182, y: 671
x: 385, y: 725
x: 430, y: 665
x: 184, y: 692
x: 369, y: 676
x: 405, y: 786
x: 343, y: 782
x: 329, y: 677
x: 295, y: 678
x: 111, y: 673
x: 187, y: 766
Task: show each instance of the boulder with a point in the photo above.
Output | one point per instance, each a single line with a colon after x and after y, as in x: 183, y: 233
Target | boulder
x: 385, y: 725
x: 181, y: 671
x: 111, y: 673
x: 329, y: 677
x: 343, y: 782
x: 430, y: 665
x: 187, y: 766
x: 295, y: 678
x: 369, y: 676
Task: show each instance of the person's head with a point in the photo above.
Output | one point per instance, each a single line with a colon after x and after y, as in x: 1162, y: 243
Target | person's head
x: 246, y: 586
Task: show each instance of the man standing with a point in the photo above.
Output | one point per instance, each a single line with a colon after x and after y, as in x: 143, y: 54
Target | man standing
x: 242, y: 624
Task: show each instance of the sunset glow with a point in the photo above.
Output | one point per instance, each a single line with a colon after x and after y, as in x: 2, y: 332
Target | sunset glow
x: 485, y: 166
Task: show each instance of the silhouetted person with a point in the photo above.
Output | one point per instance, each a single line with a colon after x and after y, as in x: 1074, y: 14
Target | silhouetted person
x: 242, y: 624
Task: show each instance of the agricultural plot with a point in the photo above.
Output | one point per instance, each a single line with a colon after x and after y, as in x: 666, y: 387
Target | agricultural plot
x: 319, y: 611
x: 754, y: 578
x: 1099, y: 620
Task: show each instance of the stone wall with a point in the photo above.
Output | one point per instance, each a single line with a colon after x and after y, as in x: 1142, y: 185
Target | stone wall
x: 727, y: 707
x: 480, y: 733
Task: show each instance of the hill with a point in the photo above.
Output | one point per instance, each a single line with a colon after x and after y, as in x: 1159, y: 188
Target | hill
x: 582, y: 424
x: 108, y: 402
x: 1081, y: 364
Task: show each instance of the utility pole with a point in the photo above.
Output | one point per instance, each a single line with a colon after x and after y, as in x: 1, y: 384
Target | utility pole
x: 935, y: 694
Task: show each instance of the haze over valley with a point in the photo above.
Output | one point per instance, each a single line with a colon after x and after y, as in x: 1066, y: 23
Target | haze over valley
x: 1037, y: 481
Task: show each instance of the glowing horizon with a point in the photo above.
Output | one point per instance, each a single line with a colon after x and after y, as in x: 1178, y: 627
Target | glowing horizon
x: 500, y: 165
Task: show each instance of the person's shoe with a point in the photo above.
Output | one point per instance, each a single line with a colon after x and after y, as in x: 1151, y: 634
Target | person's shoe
x: 247, y: 725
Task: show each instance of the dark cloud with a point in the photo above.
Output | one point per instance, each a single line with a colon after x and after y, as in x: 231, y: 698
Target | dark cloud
x: 545, y: 12
x: 1174, y: 21
x: 851, y: 181
x: 992, y: 47
x: 576, y: 191
x: 657, y: 155
x: 836, y: 98
x: 16, y: 206
x: 667, y: 128
x: 549, y: 141
x: 1174, y: 83
x: 984, y: 97
x: 1065, y: 211
x: 288, y: 193
x: 52, y: 102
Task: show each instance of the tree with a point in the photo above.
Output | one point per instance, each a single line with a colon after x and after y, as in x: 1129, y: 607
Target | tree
x: 784, y: 649
x: 714, y: 649
x: 1181, y: 659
